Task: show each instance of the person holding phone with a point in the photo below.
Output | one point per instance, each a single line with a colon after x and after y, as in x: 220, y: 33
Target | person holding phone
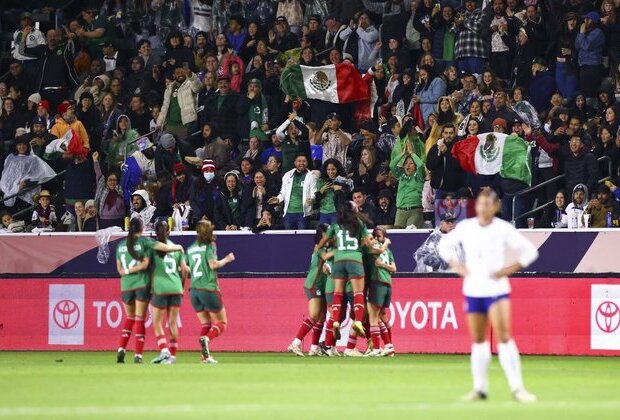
x: 178, y: 111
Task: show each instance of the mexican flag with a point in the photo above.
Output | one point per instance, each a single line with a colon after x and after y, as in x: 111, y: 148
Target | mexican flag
x: 336, y: 83
x: 492, y: 153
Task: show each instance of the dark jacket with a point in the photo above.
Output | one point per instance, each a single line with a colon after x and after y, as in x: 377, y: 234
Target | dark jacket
x: 202, y: 198
x: 582, y: 168
x: 249, y: 204
x: 446, y: 172
x: 223, y: 214
x: 58, y: 61
x: 80, y: 180
x: 541, y: 88
x: 164, y: 161
x: 226, y: 119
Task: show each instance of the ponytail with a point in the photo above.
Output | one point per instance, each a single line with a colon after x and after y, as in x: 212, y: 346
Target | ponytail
x: 161, y: 233
x: 135, y: 229
x: 204, y: 232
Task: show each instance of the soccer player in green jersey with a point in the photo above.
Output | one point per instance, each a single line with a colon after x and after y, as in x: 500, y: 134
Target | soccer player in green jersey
x: 314, y: 287
x: 350, y: 235
x: 169, y: 270
x: 380, y: 296
x: 205, y: 290
x: 133, y: 256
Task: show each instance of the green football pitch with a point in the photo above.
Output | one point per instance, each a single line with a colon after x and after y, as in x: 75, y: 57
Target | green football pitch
x: 248, y: 386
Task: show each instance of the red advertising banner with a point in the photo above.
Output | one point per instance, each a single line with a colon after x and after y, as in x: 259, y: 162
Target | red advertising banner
x: 574, y: 316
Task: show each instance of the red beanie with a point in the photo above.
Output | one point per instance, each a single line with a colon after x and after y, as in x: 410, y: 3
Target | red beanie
x: 45, y: 104
x: 62, y: 108
x: 178, y: 168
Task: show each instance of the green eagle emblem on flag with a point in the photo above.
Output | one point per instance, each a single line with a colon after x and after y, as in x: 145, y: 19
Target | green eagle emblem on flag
x: 320, y: 81
x: 489, y: 150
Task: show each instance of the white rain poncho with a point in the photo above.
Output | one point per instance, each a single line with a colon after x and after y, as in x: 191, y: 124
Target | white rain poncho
x: 19, y: 168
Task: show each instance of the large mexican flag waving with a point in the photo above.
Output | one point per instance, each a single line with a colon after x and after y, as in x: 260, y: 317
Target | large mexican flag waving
x: 336, y: 83
x: 492, y: 153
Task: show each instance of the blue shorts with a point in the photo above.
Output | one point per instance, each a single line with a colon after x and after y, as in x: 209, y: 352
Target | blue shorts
x: 481, y: 305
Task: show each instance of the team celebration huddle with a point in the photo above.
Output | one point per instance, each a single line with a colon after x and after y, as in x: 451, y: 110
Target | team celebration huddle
x: 350, y: 268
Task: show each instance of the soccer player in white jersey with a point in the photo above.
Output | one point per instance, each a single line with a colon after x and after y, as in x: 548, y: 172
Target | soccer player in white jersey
x: 485, y: 241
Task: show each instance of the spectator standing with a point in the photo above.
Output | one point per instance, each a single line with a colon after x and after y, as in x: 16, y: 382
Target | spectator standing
x: 503, y: 31
x: 224, y: 109
x: 470, y: 48
x: 294, y: 137
x: 178, y: 111
x: 446, y: 174
x: 109, y: 199
x: 565, y: 54
x: 296, y: 195
x: 34, y: 38
x: 409, y: 170
x: 590, y: 43
x: 359, y: 41
x: 140, y: 168
x: 335, y: 141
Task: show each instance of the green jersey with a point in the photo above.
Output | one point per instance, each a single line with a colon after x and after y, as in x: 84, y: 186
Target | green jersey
x: 347, y: 247
x: 166, y: 276
x: 174, y: 111
x: 198, y: 257
x: 380, y: 273
x: 141, y: 279
x: 296, y: 201
x: 328, y: 204
x: 316, y: 278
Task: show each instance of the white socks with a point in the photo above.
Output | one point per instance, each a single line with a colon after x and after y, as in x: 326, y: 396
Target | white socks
x: 296, y: 342
x: 480, y: 359
x: 511, y: 363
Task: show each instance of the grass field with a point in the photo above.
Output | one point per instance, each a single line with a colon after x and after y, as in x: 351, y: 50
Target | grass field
x: 85, y: 385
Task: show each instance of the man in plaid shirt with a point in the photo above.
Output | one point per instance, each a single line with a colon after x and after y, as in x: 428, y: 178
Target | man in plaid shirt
x: 471, y: 42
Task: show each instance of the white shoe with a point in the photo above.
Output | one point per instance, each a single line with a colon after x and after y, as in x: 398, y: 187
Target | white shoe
x: 295, y: 350
x: 388, y: 350
x: 375, y: 353
x: 163, y: 355
x: 332, y: 352
x: 315, y: 352
x: 522, y: 396
x: 352, y: 353
x: 208, y: 360
x: 474, y: 395
x: 169, y: 361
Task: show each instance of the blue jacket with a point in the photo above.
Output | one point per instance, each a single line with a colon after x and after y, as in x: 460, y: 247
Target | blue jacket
x: 541, y: 87
x: 590, y: 47
x: 430, y: 96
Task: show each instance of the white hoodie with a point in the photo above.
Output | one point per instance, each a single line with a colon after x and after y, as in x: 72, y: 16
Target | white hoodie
x: 574, y: 212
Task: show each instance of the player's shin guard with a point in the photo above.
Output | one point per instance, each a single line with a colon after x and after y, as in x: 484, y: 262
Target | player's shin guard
x: 375, y: 336
x: 510, y: 360
x: 329, y: 333
x: 317, y: 329
x: 306, y: 325
x: 480, y: 359
x: 140, y: 332
x: 385, y: 335
x: 216, y: 330
x: 337, y: 306
x: 205, y: 329
x: 174, y: 345
x: 358, y: 305
x: 126, y: 332
x: 162, y: 343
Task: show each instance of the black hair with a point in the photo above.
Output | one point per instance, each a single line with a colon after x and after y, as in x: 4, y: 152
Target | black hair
x: 161, y: 233
x: 339, y: 169
x: 358, y: 190
x: 142, y: 42
x: 135, y: 229
x: 348, y: 218
x: 321, y: 228
x: 19, y: 140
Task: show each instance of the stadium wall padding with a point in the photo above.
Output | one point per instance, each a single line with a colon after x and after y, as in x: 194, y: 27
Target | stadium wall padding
x: 281, y: 252
x: 565, y: 316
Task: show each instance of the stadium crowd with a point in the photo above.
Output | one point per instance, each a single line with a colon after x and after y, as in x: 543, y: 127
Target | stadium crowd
x: 174, y: 109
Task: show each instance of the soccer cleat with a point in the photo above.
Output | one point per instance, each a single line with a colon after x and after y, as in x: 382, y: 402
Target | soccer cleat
x: 331, y: 352
x: 170, y: 361
x: 208, y: 360
x: 295, y: 350
x: 522, y: 396
x: 352, y: 353
x: 337, y: 330
x: 163, y: 355
x: 358, y: 327
x: 204, y: 346
x: 474, y: 396
x: 138, y: 360
x: 388, y: 350
x: 120, y: 356
x: 315, y: 352
x: 374, y: 353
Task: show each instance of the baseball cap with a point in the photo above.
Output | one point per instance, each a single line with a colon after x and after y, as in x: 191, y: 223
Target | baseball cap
x: 333, y: 16
x: 593, y: 16
x: 448, y: 217
x: 255, y: 82
x: 39, y: 120
x: 501, y: 122
x: 281, y: 19
x: 315, y: 18
x: 540, y: 61
x: 333, y: 116
x: 26, y: 15
x: 604, y: 189
x: 144, y: 143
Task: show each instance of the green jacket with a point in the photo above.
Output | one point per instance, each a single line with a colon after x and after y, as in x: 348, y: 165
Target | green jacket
x: 414, y: 140
x: 409, y: 192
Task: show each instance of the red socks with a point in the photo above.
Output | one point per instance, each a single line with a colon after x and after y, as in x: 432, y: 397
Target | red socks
x: 358, y: 305
x: 161, y: 342
x: 140, y: 331
x: 316, y: 332
x: 205, y: 329
x: 375, y: 336
x: 304, y: 328
x: 386, y: 336
x: 329, y: 333
x: 337, y: 305
x: 216, y: 330
x: 173, y: 346
x: 126, y: 332
x: 352, y: 342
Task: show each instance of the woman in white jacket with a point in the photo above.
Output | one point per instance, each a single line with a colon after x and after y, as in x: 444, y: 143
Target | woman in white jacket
x: 296, y: 194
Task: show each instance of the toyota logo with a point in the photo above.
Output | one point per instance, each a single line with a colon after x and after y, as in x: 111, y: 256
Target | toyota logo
x: 608, y: 316
x: 66, y: 314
